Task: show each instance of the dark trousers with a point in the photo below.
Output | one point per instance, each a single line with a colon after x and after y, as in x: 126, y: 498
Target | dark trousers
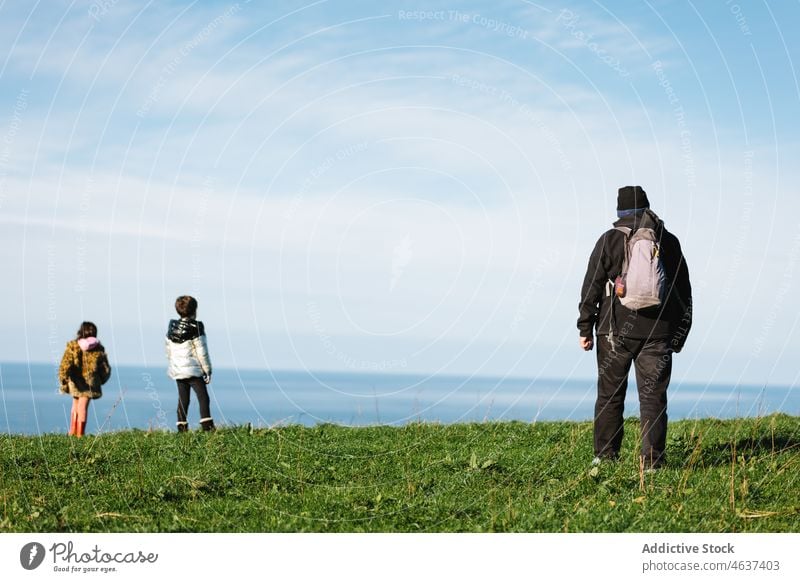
x: 653, y: 362
x: 199, y: 386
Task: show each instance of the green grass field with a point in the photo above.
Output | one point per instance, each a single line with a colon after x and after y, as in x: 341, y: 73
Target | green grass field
x: 721, y: 476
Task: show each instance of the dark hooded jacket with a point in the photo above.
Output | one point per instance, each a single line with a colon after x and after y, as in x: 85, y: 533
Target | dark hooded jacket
x: 672, y: 320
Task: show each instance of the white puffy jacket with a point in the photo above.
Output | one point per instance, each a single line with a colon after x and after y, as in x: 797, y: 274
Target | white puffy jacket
x: 187, y: 349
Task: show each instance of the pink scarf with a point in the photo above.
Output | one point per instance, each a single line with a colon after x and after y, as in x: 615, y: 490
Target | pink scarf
x: 88, y: 343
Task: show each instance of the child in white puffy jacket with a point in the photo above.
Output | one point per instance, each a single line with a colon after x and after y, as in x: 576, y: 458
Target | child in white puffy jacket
x: 189, y: 364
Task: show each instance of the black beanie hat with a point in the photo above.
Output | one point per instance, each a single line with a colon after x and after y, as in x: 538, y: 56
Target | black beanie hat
x: 632, y: 198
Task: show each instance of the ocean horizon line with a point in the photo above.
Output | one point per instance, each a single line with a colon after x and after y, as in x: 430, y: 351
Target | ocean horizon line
x: 418, y: 375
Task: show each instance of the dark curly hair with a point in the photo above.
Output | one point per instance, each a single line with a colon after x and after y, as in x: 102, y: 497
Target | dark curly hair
x: 87, y: 329
x: 186, y: 306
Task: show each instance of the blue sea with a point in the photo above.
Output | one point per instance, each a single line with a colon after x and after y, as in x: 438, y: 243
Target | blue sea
x: 145, y: 398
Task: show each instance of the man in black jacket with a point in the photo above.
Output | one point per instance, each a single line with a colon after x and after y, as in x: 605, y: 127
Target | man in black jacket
x: 647, y: 337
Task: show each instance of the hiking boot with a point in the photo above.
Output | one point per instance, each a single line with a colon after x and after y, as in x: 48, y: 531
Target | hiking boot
x: 650, y: 466
x: 603, y: 459
x: 207, y: 424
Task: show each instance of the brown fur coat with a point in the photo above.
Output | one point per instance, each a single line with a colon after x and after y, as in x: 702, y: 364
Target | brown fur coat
x: 83, y: 373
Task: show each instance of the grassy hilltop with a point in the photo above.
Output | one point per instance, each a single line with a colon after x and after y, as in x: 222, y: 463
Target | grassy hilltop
x: 722, y: 476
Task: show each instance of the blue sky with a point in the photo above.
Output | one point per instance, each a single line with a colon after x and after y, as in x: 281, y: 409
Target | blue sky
x: 406, y: 186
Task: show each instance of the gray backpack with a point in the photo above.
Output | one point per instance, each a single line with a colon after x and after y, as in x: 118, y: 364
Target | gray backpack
x: 643, y: 281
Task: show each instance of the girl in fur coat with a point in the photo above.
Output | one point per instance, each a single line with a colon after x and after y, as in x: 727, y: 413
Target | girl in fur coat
x: 84, y: 369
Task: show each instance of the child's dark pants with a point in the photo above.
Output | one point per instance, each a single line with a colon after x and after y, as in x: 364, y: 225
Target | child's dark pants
x: 199, y: 386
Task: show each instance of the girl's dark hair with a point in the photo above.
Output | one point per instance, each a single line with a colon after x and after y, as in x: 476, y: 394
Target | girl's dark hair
x: 186, y: 306
x: 87, y: 329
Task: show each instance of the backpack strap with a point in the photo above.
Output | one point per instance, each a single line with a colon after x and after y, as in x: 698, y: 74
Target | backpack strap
x: 610, y: 288
x: 627, y: 232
